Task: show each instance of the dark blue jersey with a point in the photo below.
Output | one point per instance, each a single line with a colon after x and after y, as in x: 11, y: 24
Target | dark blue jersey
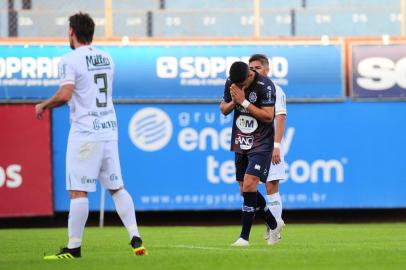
x: 249, y: 134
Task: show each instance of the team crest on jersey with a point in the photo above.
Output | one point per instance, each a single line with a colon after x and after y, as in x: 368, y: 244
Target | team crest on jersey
x: 252, y: 97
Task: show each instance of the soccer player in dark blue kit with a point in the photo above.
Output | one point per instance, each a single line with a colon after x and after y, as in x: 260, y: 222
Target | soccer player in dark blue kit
x: 252, y: 98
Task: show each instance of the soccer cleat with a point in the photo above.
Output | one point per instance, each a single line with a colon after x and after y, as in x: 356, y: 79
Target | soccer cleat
x: 137, y: 246
x: 268, y: 231
x: 274, y: 235
x: 240, y: 243
x: 65, y: 253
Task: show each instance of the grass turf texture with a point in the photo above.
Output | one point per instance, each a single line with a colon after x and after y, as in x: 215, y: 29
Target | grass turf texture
x: 331, y: 246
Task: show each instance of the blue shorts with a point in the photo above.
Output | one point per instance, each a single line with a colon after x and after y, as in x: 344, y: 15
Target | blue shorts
x: 256, y: 164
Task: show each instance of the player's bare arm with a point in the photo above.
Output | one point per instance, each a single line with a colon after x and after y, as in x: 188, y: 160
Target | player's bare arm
x: 63, y: 95
x: 264, y: 114
x: 280, y: 129
x: 227, y: 108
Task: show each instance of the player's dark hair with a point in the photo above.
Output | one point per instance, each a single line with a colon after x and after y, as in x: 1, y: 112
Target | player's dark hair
x: 239, y: 72
x: 83, y: 27
x: 259, y: 57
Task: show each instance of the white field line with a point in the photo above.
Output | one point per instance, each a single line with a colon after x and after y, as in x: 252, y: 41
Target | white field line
x: 215, y: 248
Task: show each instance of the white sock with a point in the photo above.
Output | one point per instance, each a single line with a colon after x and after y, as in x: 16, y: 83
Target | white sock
x: 78, y: 213
x: 275, y: 205
x: 125, y: 209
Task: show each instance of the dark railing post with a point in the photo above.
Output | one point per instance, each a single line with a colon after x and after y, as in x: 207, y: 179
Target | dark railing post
x: 150, y: 24
x: 12, y: 20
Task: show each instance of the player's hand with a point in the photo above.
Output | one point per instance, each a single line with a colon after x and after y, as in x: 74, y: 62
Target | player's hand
x: 39, y: 110
x: 237, y: 93
x: 276, y: 156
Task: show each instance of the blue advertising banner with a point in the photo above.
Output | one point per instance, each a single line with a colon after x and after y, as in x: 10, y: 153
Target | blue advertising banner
x: 378, y: 71
x: 176, y: 157
x: 178, y: 72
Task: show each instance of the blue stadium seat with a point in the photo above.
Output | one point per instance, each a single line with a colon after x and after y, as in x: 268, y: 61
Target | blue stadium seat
x: 3, y: 23
x: 132, y: 24
x: 281, y: 3
x: 352, y: 3
x: 3, y: 5
x: 276, y: 23
x: 135, y: 6
x: 203, y: 24
x: 89, y: 6
x: 208, y: 4
x: 347, y: 22
x: 51, y: 24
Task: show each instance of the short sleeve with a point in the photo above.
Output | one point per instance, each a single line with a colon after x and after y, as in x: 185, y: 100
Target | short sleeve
x: 268, y: 95
x: 66, y: 73
x: 227, y: 96
x: 280, y: 104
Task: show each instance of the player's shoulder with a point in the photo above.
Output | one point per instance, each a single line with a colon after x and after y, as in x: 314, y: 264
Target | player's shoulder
x: 228, y: 82
x: 265, y: 83
x: 68, y: 57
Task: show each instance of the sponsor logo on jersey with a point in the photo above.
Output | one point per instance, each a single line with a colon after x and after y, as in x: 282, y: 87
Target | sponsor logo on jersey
x: 86, y: 180
x: 244, y: 141
x: 113, y: 177
x: 150, y: 129
x: 95, y: 62
x: 246, y: 124
x: 104, y: 125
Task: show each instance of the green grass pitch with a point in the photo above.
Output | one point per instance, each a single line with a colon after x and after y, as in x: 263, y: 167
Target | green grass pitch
x: 331, y: 246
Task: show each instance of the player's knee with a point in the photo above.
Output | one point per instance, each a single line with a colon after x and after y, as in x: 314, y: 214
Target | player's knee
x: 114, y: 191
x: 74, y: 194
x: 250, y: 183
x: 272, y: 187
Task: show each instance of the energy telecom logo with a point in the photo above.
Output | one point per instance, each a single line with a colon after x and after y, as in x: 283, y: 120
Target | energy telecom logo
x: 150, y: 129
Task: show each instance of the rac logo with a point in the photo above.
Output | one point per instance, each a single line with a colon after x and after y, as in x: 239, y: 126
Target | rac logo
x: 150, y: 129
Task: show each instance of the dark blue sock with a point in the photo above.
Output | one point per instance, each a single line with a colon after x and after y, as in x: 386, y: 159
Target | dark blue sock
x: 270, y: 219
x: 261, y: 203
x: 248, y: 213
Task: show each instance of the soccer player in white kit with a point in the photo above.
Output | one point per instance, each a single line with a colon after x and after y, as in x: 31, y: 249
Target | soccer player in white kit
x: 260, y: 63
x: 86, y: 76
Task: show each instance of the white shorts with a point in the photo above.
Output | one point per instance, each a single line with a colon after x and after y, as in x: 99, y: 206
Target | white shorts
x: 88, y: 161
x: 278, y: 171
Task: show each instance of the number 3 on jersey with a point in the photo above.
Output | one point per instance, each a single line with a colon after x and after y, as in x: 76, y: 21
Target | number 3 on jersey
x: 101, y: 100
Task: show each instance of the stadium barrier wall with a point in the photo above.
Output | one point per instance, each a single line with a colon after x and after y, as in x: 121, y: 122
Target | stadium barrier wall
x: 378, y: 71
x: 338, y: 156
x: 168, y: 73
x: 25, y: 163
x: 315, y: 165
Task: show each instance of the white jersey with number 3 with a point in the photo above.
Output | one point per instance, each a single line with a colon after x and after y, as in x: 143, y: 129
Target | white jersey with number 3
x: 92, y: 113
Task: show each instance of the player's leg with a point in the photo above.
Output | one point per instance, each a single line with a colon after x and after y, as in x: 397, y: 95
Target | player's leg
x: 257, y: 167
x: 111, y: 179
x: 274, y: 198
x: 250, y: 204
x: 82, y: 166
x: 277, y: 172
x: 241, y: 163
